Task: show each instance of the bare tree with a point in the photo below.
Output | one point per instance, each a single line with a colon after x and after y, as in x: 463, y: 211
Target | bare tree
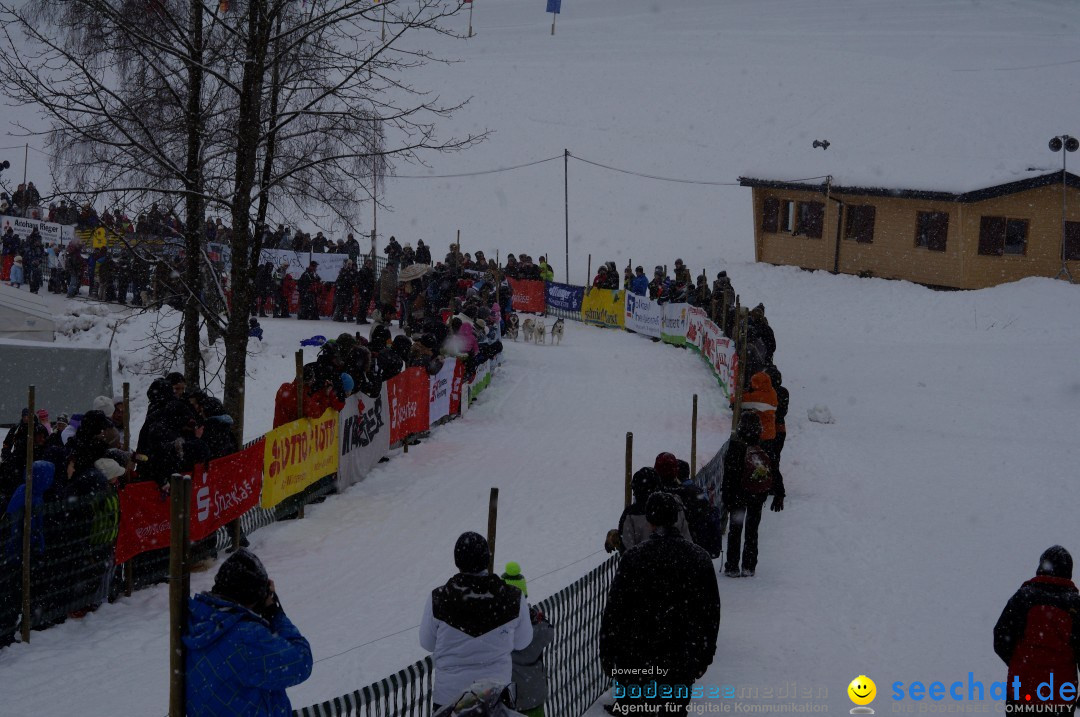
x: 263, y: 109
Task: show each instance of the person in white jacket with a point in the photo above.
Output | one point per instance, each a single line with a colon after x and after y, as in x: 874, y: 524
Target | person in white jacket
x: 472, y: 624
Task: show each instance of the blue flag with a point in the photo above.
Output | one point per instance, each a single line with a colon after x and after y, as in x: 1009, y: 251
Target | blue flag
x: 554, y: 6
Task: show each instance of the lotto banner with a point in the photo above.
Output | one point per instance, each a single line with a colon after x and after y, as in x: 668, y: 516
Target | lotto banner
x: 365, y: 436
x: 564, y: 297
x: 144, y: 520
x: 409, y: 394
x: 603, y: 307
x: 676, y: 319
x: 229, y: 488
x: 445, y: 394
x: 643, y: 315
x: 717, y: 350
x: 298, y: 454
x: 528, y: 295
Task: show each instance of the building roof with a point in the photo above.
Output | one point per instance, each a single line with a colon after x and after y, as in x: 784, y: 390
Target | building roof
x: 978, y: 195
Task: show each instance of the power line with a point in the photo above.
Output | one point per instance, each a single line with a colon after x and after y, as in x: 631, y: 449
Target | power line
x: 654, y: 176
x: 473, y: 174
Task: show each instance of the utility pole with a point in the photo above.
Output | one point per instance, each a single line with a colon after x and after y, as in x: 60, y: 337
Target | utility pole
x: 566, y: 209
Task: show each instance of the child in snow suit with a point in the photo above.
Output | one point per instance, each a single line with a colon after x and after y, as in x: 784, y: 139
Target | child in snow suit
x: 530, y: 674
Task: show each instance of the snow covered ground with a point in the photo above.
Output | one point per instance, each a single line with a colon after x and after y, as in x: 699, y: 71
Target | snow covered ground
x: 909, y: 521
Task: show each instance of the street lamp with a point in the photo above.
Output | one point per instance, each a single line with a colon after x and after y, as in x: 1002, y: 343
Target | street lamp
x: 1069, y: 144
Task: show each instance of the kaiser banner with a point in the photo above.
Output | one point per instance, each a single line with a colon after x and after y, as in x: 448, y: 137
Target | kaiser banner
x: 529, y: 295
x: 445, y: 395
x: 144, y: 520
x: 298, y: 454
x: 50, y: 233
x: 603, y: 307
x: 564, y: 296
x: 676, y: 319
x: 228, y: 489
x: 643, y: 315
x: 365, y: 436
x: 409, y: 394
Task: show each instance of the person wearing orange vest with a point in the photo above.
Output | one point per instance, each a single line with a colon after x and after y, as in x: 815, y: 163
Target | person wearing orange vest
x: 760, y: 397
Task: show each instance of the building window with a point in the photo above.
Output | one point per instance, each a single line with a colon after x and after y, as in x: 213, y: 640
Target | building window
x: 860, y: 223
x: 931, y: 230
x: 770, y: 215
x: 1072, y: 241
x: 811, y: 219
x: 1000, y: 235
x: 787, y: 215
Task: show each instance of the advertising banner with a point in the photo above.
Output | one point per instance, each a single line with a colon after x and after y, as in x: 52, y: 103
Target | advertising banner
x: 329, y: 264
x: 564, y: 297
x: 365, y: 436
x: 408, y: 394
x: 673, y: 330
x: 529, y: 295
x: 696, y: 319
x: 603, y: 307
x: 50, y: 233
x: 442, y: 390
x: 229, y: 488
x: 717, y: 350
x: 643, y: 315
x: 144, y: 520
x: 298, y: 454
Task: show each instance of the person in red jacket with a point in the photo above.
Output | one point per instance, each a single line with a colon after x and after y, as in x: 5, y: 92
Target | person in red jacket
x: 760, y: 397
x: 1038, y: 636
x: 319, y: 395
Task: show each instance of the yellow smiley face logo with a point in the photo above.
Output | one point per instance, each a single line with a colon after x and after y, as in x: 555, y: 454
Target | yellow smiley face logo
x: 862, y: 690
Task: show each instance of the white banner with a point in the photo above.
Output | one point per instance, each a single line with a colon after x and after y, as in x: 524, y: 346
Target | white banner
x: 442, y: 385
x: 364, y: 436
x: 643, y: 315
x: 676, y: 319
x: 715, y: 348
x: 329, y: 264
x: 50, y: 233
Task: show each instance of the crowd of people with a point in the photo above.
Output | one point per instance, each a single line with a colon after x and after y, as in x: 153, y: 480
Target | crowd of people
x: 79, y: 465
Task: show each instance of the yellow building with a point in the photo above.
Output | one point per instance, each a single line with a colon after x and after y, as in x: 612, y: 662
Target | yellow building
x: 968, y: 240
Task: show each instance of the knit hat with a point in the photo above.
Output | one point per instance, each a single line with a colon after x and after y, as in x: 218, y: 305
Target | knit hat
x: 103, y: 404
x: 667, y: 465
x: 62, y: 418
x: 513, y: 576
x: 242, y: 579
x: 110, y: 468
x: 471, y: 553
x: 1055, y: 562
x: 662, y: 510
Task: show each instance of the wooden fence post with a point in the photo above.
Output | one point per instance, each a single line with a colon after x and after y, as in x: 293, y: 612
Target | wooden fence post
x: 28, y: 504
x: 693, y: 440
x: 300, y: 402
x: 493, y: 519
x: 127, y: 416
x: 629, y: 468
x: 740, y: 347
x: 179, y: 589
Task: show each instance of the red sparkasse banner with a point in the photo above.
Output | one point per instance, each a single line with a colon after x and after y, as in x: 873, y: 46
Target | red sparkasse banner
x: 144, y: 520
x: 455, y: 388
x: 409, y: 396
x: 226, y: 490
x: 529, y: 295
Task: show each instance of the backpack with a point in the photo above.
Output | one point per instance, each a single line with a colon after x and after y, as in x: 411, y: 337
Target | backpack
x: 757, y: 478
x: 703, y: 519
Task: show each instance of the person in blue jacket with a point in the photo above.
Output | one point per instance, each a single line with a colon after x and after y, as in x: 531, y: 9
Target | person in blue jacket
x: 242, y: 651
x: 640, y: 283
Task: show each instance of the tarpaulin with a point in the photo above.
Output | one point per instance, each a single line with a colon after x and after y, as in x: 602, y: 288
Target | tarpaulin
x: 364, y: 438
x: 144, y: 520
x: 603, y: 307
x: 229, y: 488
x: 528, y: 295
x: 409, y: 394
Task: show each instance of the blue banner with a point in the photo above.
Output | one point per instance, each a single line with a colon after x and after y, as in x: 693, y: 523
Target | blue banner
x: 564, y: 296
x: 554, y: 6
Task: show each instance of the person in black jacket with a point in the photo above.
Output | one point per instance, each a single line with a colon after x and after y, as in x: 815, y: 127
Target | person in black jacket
x: 662, y: 613
x: 264, y: 282
x: 759, y: 332
x: 1038, y: 635
x: 423, y: 253
x: 217, y: 428
x: 775, y: 446
x: 344, y: 288
x: 743, y: 503
x: 365, y: 286
x: 308, y: 288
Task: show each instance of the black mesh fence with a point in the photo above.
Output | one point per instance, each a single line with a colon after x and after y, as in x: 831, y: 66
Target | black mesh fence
x: 575, y: 678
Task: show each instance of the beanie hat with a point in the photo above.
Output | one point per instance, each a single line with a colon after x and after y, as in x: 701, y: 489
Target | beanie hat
x: 513, y: 576
x: 103, y: 404
x: 109, y: 468
x: 471, y: 553
x: 242, y: 579
x: 667, y: 465
x: 662, y: 510
x: 1056, y: 562
x: 645, y: 483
